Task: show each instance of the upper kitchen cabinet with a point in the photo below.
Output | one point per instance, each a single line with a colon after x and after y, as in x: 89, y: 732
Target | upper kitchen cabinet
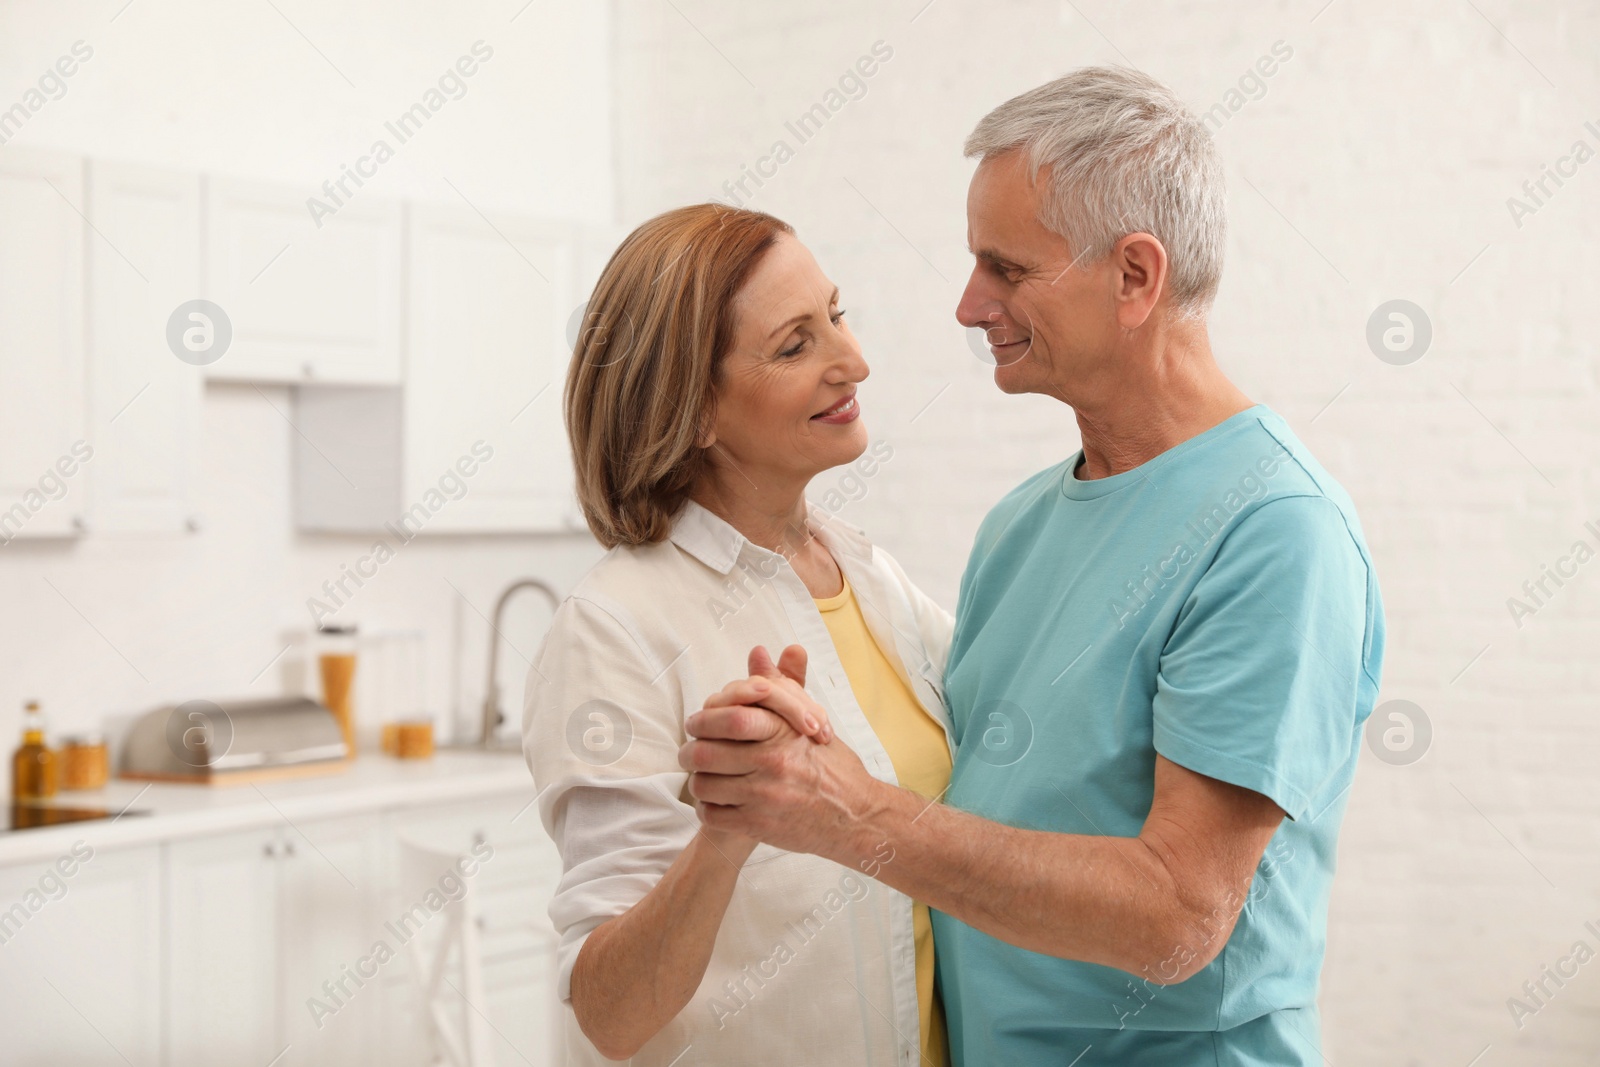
x: 43, y: 443
x: 474, y: 440
x: 144, y: 262
x: 308, y: 300
x: 486, y: 358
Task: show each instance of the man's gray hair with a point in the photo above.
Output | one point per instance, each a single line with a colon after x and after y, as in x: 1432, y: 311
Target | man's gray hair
x: 1124, y: 156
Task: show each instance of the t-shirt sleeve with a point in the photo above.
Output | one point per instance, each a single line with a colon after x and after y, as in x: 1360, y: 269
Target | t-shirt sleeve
x: 1259, y: 681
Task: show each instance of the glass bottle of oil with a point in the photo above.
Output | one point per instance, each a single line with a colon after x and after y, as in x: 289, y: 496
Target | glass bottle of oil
x: 33, y: 768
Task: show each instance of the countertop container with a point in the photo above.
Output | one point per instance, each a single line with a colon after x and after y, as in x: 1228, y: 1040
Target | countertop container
x: 235, y: 742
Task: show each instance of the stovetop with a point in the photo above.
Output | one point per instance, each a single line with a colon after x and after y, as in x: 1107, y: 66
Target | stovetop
x: 26, y: 816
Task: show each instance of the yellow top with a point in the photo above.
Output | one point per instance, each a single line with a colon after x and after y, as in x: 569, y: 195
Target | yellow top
x: 917, y: 747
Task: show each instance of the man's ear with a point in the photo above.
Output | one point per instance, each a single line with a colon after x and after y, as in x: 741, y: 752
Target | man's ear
x: 1141, y: 263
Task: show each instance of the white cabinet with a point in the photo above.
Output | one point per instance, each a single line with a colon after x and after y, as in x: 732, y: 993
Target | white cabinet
x: 261, y: 946
x: 42, y: 447
x: 328, y: 924
x: 144, y: 401
x: 474, y: 441
x: 486, y: 360
x: 513, y: 886
x: 221, y: 940
x: 308, y: 299
x: 464, y: 435
x: 80, y: 963
x: 260, y: 926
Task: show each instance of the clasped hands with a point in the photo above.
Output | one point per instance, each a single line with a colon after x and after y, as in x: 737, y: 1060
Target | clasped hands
x: 765, y: 765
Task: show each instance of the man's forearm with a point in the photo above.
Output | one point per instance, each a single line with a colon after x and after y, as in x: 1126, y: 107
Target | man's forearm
x: 1106, y: 900
x: 1160, y: 905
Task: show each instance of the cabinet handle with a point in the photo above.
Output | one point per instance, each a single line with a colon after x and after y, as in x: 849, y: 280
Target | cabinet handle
x: 288, y: 849
x: 269, y: 850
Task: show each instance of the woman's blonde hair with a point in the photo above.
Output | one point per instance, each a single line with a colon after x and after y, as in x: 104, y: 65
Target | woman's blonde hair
x: 641, y: 388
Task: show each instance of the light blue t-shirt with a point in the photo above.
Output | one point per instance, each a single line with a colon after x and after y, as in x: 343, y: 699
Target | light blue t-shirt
x: 1216, y: 605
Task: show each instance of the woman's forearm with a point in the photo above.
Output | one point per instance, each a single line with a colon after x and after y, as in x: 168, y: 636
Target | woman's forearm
x: 636, y: 972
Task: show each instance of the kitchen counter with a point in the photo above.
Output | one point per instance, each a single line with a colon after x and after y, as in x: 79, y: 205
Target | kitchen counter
x: 175, y: 810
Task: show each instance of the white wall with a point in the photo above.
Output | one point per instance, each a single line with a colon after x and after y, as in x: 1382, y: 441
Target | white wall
x: 240, y: 89
x: 1376, y: 166
x: 289, y: 91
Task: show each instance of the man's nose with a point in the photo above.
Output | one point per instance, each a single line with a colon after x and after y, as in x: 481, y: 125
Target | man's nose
x: 977, y: 307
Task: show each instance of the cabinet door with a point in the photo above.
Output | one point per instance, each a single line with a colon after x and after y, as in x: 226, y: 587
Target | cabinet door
x: 527, y: 1015
x: 221, y: 930
x: 517, y: 871
x: 485, y: 362
x: 144, y: 400
x: 41, y: 344
x: 331, y: 969
x: 80, y: 966
x: 308, y: 299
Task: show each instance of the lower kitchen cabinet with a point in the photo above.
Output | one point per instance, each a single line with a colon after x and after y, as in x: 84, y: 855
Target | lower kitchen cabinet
x: 80, y: 959
x: 221, y: 940
x: 512, y: 889
x: 526, y: 1015
x: 258, y: 947
x: 327, y: 917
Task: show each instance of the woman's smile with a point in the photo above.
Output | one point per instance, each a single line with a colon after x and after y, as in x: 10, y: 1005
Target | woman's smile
x: 846, y: 410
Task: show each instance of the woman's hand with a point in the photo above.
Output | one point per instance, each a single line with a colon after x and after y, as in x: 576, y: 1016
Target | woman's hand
x: 792, y: 714
x: 764, y: 674
x: 804, y: 715
x: 750, y: 773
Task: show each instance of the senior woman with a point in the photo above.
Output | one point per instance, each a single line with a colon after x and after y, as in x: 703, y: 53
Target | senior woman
x: 715, y: 380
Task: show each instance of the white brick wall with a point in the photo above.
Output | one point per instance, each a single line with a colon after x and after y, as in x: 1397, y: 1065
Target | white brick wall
x: 1376, y: 166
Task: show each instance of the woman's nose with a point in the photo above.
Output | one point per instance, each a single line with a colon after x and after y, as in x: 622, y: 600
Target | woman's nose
x: 853, y: 362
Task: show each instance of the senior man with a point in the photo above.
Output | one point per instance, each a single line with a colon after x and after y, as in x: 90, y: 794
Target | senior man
x: 1165, y: 646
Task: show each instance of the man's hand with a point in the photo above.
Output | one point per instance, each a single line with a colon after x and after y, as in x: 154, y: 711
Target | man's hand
x: 753, y: 774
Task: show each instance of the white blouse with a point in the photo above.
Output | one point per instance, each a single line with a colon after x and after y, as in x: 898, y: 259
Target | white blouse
x: 814, y: 963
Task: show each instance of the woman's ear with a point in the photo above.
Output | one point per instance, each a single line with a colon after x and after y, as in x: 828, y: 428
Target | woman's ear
x: 707, y: 436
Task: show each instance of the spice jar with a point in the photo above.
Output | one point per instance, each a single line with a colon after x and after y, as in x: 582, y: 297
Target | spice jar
x: 414, y: 740
x: 85, y: 762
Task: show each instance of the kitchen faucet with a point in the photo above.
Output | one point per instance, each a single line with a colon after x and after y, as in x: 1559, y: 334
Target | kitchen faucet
x: 493, y: 716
